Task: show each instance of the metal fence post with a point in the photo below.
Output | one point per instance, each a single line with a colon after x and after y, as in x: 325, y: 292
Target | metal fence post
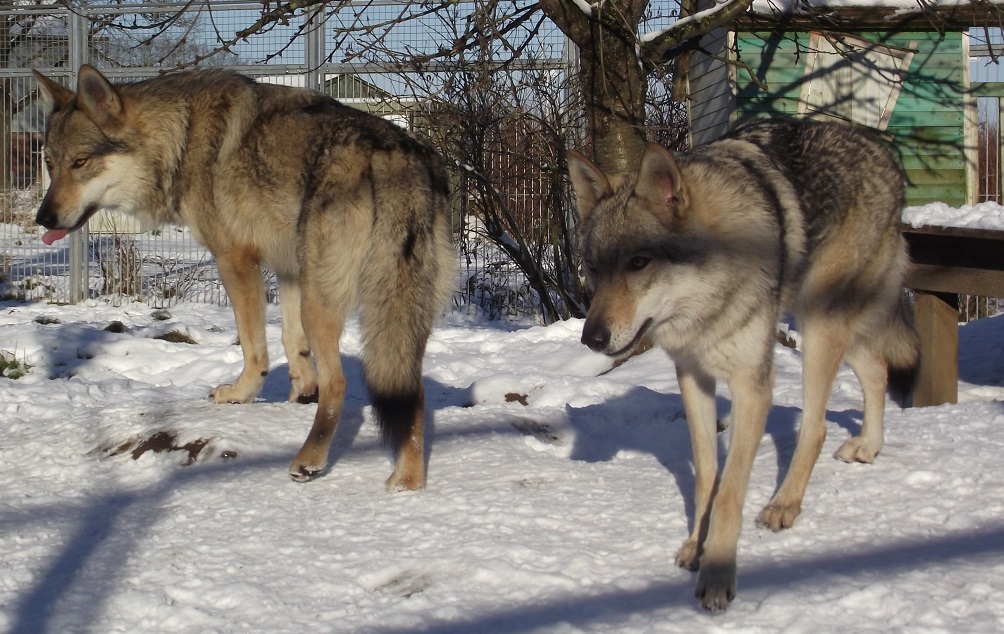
x: 313, y: 49
x: 79, y: 256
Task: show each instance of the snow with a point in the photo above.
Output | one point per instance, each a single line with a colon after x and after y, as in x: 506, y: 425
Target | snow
x: 585, y: 6
x: 903, y: 6
x: 986, y: 216
x: 560, y: 515
x: 785, y: 7
x: 718, y: 5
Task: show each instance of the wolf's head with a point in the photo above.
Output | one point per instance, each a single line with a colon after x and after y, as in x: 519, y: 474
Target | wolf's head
x: 640, y: 250
x: 86, y: 153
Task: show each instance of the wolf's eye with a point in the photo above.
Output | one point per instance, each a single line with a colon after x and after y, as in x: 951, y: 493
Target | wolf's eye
x: 589, y: 266
x: 80, y: 162
x: 637, y: 263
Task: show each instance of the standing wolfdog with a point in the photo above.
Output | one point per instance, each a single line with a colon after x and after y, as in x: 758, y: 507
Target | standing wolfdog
x: 704, y: 252
x: 346, y: 208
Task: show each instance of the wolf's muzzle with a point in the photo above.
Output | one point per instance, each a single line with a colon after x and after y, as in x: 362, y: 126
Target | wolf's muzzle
x: 596, y: 336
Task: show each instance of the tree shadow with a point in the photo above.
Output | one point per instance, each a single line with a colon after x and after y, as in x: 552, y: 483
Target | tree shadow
x: 587, y: 609
x: 99, y: 522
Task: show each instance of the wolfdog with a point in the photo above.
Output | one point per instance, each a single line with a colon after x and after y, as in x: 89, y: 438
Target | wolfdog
x: 346, y: 208
x: 704, y: 252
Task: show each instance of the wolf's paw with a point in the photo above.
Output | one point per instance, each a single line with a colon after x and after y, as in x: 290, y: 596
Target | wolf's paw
x: 303, y: 395
x: 689, y: 555
x: 405, y: 482
x: 304, y: 473
x: 858, y: 449
x: 716, y: 585
x: 227, y: 393
x: 776, y: 516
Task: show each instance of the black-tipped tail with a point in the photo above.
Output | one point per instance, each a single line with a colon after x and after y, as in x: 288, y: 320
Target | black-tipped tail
x: 901, y: 384
x: 902, y: 353
x: 396, y: 415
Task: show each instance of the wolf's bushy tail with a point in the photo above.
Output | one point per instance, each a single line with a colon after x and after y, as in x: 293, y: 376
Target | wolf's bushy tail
x: 899, y: 345
x: 405, y: 284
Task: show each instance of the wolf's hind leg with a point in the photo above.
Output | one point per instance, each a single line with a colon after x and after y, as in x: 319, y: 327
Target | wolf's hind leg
x: 241, y: 276
x: 873, y: 375
x: 323, y: 320
x: 883, y: 358
x: 824, y: 344
x: 303, y: 380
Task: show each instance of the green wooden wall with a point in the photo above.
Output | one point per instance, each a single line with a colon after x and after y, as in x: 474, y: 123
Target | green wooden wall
x: 927, y: 125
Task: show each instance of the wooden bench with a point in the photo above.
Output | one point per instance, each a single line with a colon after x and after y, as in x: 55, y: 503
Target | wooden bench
x: 947, y: 262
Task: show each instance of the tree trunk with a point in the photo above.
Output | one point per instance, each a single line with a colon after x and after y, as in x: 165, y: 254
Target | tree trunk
x: 613, y: 86
x: 612, y: 78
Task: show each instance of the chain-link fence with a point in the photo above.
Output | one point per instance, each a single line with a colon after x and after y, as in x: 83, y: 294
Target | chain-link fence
x: 346, y: 50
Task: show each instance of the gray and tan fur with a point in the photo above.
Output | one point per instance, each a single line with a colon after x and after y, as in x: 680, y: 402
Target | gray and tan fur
x: 704, y: 252
x: 347, y: 209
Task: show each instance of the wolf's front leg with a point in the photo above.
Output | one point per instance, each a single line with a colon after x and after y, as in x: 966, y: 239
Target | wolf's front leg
x: 323, y: 320
x: 716, y: 583
x: 302, y: 378
x: 241, y: 275
x: 698, y: 392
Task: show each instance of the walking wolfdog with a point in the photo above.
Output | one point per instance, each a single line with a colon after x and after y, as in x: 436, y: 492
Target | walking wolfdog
x: 703, y: 252
x: 346, y: 208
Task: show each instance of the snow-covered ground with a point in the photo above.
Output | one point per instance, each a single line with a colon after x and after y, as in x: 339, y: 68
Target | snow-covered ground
x: 558, y: 493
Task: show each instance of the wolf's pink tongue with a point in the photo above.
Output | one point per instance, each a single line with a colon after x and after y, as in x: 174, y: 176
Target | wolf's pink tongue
x: 52, y: 235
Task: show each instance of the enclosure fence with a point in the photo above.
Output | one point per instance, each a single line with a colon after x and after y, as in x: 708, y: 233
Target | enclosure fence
x: 513, y: 176
x: 987, y: 89
x: 113, y: 257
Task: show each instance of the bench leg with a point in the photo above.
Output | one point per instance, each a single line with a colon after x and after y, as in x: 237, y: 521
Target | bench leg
x: 937, y: 318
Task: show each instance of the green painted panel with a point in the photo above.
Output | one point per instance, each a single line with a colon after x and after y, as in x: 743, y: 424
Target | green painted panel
x: 910, y: 118
x: 939, y: 177
x: 920, y: 195
x: 917, y: 162
x: 927, y: 125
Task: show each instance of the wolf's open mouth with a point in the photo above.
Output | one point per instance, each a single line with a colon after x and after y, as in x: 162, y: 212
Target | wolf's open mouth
x: 53, y: 235
x: 629, y: 348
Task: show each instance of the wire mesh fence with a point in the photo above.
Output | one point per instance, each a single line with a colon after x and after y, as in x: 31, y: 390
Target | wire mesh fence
x: 117, y: 259
x: 986, y: 72
x: 505, y: 127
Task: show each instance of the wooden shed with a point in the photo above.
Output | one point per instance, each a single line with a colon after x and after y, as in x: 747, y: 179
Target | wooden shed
x: 894, y: 67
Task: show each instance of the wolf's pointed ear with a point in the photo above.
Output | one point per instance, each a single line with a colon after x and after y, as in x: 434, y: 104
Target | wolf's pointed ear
x: 660, y: 183
x: 97, y: 98
x: 588, y: 183
x: 54, y: 95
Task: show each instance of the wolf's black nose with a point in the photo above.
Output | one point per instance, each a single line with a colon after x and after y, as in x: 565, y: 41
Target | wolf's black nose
x: 596, y: 336
x: 45, y: 217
